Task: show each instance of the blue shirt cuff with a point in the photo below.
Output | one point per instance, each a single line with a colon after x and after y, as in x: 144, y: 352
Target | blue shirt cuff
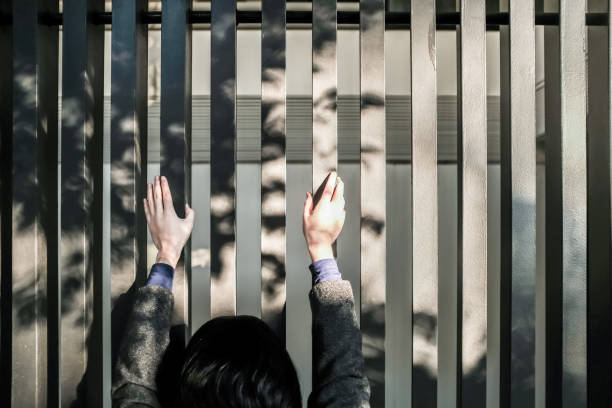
x: 161, y: 275
x: 324, y: 270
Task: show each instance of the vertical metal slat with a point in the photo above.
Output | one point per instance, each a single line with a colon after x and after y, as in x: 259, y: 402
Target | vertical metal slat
x: 28, y: 240
x: 273, y: 164
x: 128, y: 138
x: 128, y: 151
x: 518, y: 189
x: 472, y: 210
x: 373, y: 193
x: 566, y: 208
x: 48, y: 39
x: 573, y: 172
x: 599, y: 323
x: 553, y: 278
x: 6, y: 229
x: 223, y: 158
x: 324, y: 89
x: 175, y: 133
x: 610, y: 98
x: 34, y: 193
x: 128, y: 155
x: 299, y: 180
x: 398, y: 322
x: 324, y: 95
x: 424, y: 204
x: 81, y: 203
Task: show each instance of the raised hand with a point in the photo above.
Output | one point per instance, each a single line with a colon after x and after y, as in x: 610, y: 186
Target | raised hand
x: 168, y: 231
x: 323, y: 217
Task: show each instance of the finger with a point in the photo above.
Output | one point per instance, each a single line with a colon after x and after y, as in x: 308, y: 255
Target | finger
x: 342, y: 218
x: 319, y: 192
x: 146, y: 209
x: 157, y: 195
x: 166, y: 194
x: 329, y: 186
x: 150, y: 202
x: 189, y: 216
x: 307, y: 205
x: 338, y: 191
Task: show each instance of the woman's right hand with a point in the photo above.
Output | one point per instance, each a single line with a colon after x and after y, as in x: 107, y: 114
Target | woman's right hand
x: 323, y: 217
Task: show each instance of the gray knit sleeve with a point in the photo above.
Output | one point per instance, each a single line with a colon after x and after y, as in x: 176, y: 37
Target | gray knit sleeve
x: 337, y: 358
x: 146, y: 337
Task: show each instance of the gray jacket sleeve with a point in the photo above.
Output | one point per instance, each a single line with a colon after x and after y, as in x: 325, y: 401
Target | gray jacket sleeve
x: 146, y: 337
x: 337, y: 358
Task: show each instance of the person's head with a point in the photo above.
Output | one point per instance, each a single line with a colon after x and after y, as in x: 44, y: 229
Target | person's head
x: 237, y: 362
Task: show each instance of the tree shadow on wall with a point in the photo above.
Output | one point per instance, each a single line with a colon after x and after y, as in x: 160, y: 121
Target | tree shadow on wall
x: 79, y: 204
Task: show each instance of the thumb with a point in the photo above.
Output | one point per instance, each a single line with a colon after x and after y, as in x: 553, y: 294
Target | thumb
x: 307, y: 205
x: 189, y: 215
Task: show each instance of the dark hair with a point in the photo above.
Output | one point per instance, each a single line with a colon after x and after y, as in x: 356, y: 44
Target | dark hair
x: 237, y: 362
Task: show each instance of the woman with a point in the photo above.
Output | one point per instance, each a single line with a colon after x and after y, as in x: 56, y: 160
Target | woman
x: 237, y: 361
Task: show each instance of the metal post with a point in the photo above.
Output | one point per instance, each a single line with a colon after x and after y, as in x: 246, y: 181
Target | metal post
x: 424, y: 204
x: 324, y: 90
x: 6, y: 203
x: 175, y: 133
x: 273, y: 164
x: 128, y: 145
x: 518, y: 189
x: 81, y: 204
x: 223, y: 158
x: 566, y: 175
x: 373, y: 193
x: 598, y: 217
x: 472, y: 205
x: 572, y: 217
x: 128, y: 151
x: 553, y: 279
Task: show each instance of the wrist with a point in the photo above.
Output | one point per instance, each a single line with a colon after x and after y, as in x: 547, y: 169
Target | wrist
x: 166, y: 257
x: 318, y: 252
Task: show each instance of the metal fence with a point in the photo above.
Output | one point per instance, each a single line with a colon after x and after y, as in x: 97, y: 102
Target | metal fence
x: 62, y: 313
